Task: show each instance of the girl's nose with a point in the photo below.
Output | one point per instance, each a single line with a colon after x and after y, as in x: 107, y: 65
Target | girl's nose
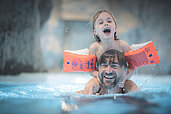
x: 106, y: 24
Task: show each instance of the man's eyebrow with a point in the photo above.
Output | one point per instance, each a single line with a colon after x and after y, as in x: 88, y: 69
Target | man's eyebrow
x: 114, y: 62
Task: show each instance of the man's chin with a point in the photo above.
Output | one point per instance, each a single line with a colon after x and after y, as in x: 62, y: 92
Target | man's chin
x: 109, y: 83
x: 109, y: 79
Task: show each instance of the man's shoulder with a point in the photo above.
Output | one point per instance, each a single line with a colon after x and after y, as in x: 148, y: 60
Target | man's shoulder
x: 93, y: 81
x: 130, y: 86
x: 92, y: 86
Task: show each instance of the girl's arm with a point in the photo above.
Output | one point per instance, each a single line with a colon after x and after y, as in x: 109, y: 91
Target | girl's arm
x: 92, y: 51
x: 130, y: 71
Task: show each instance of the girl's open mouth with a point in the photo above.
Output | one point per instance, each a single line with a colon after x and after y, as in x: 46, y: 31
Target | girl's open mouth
x: 107, y: 31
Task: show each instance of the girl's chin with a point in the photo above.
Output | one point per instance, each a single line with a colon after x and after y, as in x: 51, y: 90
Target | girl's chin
x: 108, y: 37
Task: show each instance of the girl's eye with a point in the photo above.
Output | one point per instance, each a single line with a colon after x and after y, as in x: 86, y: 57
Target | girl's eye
x: 100, y: 22
x: 109, y: 21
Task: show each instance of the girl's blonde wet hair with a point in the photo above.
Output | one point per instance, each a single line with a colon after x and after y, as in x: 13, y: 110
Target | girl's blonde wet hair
x: 94, y: 20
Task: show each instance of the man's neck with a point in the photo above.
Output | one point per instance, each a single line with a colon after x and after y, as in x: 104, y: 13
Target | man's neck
x: 112, y: 90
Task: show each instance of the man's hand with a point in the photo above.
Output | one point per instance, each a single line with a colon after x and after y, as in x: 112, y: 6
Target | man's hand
x: 121, y: 82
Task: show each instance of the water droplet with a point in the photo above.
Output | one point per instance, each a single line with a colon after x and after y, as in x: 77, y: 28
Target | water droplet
x: 66, y: 29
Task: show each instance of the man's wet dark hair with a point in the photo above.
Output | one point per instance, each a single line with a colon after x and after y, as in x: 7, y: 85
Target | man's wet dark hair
x: 112, y: 54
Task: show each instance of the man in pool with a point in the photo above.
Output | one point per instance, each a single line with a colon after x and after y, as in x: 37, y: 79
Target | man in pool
x: 112, y: 67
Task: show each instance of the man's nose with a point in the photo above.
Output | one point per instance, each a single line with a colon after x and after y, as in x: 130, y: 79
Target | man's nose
x: 108, y: 69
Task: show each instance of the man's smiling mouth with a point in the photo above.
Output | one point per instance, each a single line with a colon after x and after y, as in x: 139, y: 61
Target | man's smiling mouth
x: 109, y: 77
x: 109, y: 80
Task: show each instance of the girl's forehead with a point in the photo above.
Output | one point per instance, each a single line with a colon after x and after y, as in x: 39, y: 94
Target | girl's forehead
x: 104, y: 15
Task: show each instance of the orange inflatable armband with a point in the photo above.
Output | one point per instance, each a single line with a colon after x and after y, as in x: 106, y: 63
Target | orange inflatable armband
x: 78, y: 63
x: 143, y: 56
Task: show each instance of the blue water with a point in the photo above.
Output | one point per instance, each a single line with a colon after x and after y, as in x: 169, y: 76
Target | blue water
x: 55, y: 94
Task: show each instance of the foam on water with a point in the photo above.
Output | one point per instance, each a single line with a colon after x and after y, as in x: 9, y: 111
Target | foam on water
x: 55, y: 93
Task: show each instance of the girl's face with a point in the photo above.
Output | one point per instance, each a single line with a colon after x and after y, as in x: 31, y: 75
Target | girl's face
x: 104, y: 26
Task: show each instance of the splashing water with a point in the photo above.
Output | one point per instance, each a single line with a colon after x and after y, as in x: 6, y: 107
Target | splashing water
x: 55, y: 93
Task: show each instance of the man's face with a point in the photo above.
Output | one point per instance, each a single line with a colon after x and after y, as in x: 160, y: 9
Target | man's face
x: 110, y: 72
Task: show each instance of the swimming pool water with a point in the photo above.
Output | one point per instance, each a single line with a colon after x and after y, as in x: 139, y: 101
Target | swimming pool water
x: 49, y: 93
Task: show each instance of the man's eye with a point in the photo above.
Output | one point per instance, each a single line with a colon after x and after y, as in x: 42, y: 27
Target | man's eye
x: 104, y: 65
x: 115, y: 66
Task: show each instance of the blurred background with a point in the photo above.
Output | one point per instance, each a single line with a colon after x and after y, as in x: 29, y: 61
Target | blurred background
x: 35, y: 33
